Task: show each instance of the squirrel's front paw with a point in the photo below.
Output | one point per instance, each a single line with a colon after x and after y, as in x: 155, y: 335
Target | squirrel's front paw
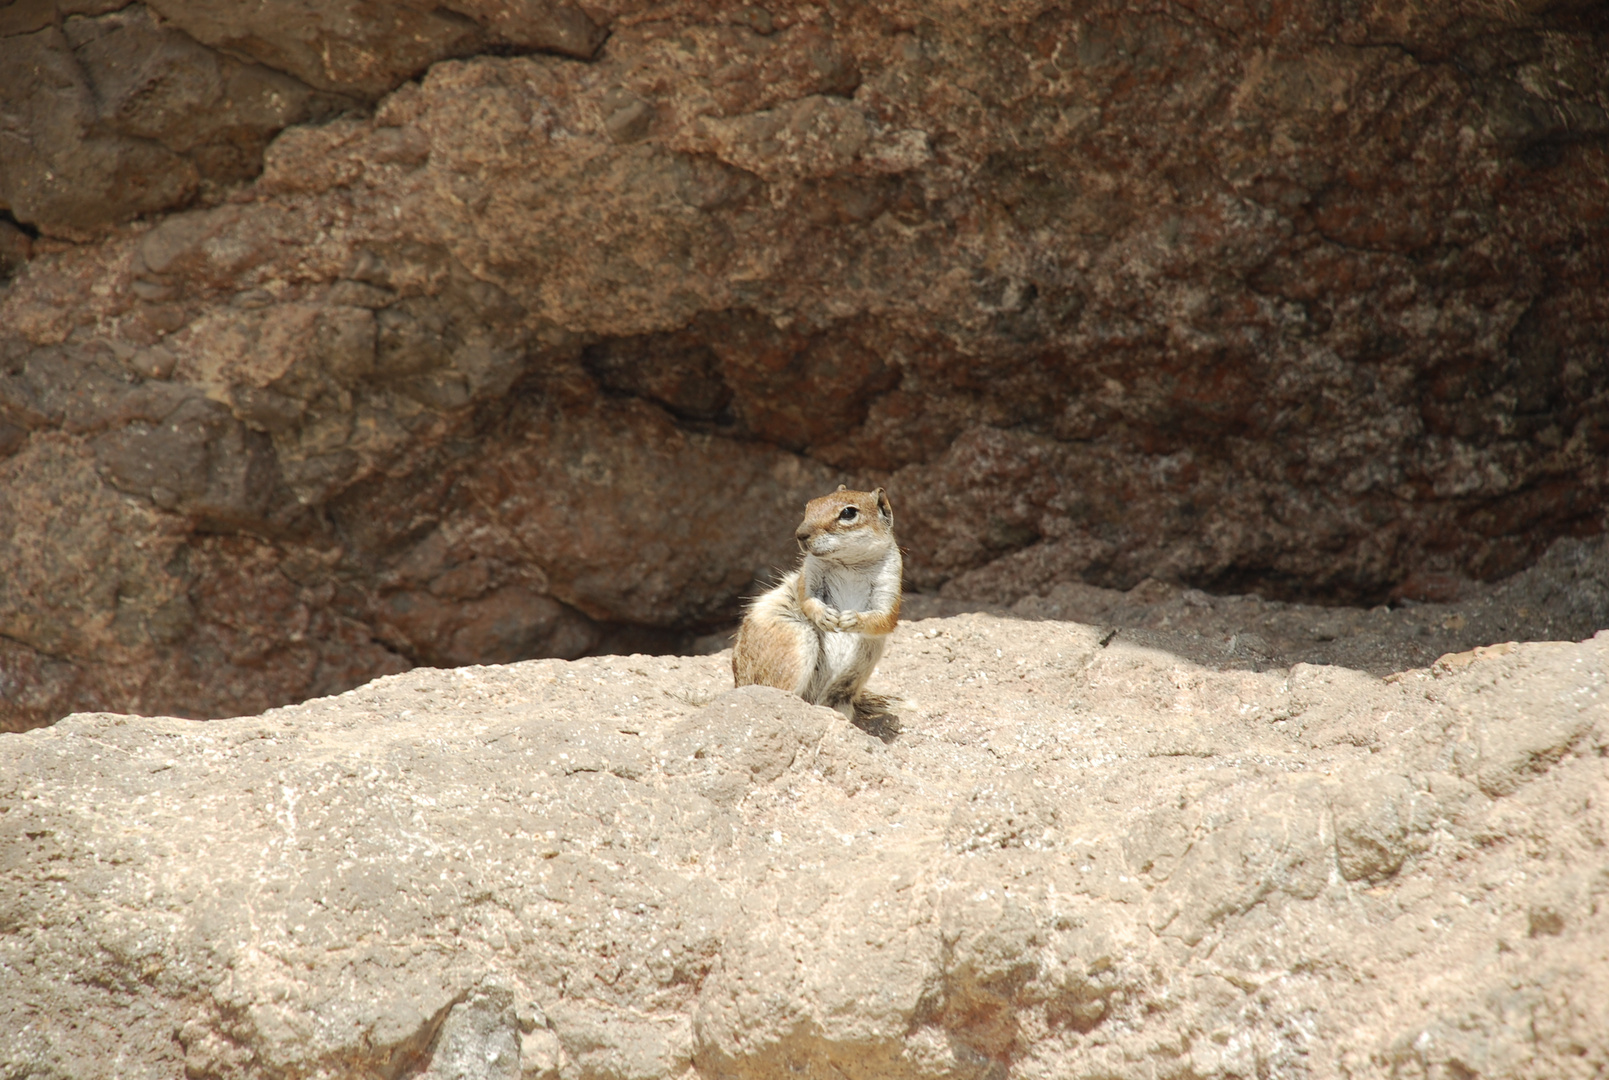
x: 848, y: 620
x: 822, y: 615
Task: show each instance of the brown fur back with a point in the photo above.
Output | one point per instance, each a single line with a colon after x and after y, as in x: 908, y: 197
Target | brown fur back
x: 778, y: 648
x: 766, y: 656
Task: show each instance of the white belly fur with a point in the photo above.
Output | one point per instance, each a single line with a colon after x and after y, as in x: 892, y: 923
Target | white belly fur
x: 838, y: 654
x: 846, y: 591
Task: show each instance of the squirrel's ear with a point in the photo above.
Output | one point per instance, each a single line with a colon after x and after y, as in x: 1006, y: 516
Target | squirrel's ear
x: 885, y: 510
x: 843, y: 487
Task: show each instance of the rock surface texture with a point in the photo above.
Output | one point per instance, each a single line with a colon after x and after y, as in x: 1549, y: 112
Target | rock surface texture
x: 345, y: 337
x: 1081, y: 857
x: 1564, y: 596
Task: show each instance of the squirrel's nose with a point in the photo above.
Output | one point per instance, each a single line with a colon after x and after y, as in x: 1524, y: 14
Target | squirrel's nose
x: 802, y: 533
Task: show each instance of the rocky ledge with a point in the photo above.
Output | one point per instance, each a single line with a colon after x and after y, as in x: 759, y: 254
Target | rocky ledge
x: 1079, y: 856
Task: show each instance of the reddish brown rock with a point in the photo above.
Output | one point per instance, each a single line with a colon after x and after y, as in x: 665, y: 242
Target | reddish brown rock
x: 544, y: 350
x: 122, y: 114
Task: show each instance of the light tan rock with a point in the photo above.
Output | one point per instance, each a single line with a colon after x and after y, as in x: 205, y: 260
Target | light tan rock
x: 1075, y: 859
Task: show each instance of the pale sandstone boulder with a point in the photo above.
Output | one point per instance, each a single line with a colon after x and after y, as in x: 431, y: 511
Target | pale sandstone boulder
x: 1076, y: 859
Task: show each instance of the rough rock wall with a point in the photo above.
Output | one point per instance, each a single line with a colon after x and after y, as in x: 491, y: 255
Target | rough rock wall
x: 538, y: 353
x: 1077, y: 860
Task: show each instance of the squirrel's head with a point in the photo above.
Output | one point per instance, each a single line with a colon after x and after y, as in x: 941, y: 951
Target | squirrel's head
x: 848, y: 526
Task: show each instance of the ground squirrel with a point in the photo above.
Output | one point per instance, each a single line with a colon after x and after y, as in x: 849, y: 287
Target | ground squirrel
x: 823, y: 628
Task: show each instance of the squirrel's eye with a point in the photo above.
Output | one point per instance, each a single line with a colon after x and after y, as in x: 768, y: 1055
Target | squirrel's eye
x: 848, y: 513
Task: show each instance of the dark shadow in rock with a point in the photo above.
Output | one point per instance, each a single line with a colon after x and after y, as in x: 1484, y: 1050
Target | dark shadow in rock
x: 1563, y: 597
x: 874, y: 716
